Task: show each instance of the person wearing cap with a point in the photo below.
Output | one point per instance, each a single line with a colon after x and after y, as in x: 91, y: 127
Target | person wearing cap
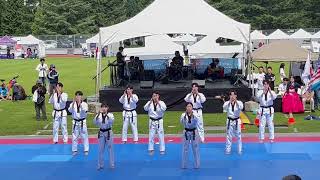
x: 39, y: 95
x: 53, y: 77
x: 42, y: 68
x: 129, y: 102
x: 197, y: 99
x: 79, y: 109
x: 104, y: 120
x: 59, y: 99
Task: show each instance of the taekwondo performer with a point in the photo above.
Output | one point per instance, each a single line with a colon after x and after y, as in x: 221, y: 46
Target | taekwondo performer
x: 190, y: 136
x: 266, y: 110
x: 59, y: 99
x: 129, y: 101
x: 79, y: 109
x: 104, y: 120
x: 197, y: 99
x: 233, y: 108
x: 156, y: 108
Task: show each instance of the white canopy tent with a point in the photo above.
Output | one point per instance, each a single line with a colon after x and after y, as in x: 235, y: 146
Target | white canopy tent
x: 301, y: 34
x: 32, y: 41
x: 174, y: 17
x: 316, y: 35
x: 156, y: 47
x: 208, y: 48
x: 152, y: 20
x: 186, y: 39
x: 278, y: 34
x: 93, y: 39
x: 257, y: 35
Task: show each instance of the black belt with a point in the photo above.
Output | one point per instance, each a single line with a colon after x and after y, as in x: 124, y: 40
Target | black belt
x: 131, y: 113
x: 78, y: 120
x: 156, y: 119
x: 193, y: 130
x: 233, y: 119
x: 105, y: 130
x: 197, y: 109
x: 264, y: 107
x: 55, y: 111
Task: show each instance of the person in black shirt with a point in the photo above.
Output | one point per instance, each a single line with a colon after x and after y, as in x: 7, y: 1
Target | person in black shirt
x: 135, y: 67
x: 270, y: 77
x: 39, y: 93
x: 175, y: 70
x: 120, y: 63
x: 8, y: 52
x: 53, y: 77
x: 213, y: 70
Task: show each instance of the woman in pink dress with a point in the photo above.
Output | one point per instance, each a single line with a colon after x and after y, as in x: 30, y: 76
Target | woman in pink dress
x: 291, y: 102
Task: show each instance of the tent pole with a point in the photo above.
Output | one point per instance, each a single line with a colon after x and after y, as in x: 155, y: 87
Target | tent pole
x: 100, y: 60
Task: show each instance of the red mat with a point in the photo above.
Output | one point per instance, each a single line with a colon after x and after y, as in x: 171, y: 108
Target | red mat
x: 168, y: 140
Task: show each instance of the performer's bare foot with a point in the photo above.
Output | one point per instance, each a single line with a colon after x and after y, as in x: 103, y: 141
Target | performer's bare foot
x: 112, y: 166
x: 151, y: 152
x: 136, y: 142
x: 74, y: 153
x: 124, y: 142
x: 261, y: 141
x: 86, y: 153
x: 55, y: 143
x: 162, y: 152
x: 271, y: 141
x: 99, y: 168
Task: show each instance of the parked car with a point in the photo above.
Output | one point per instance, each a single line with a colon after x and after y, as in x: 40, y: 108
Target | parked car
x: 50, y: 44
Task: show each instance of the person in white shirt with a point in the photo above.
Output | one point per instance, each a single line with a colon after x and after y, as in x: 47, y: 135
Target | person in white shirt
x: 233, y: 107
x: 197, y: 99
x: 260, y: 78
x: 59, y: 99
x: 282, y: 89
x: 266, y: 111
x: 282, y: 72
x: 129, y: 102
x: 156, y: 108
x: 252, y: 78
x: 42, y: 68
x: 104, y: 120
x: 190, y: 122
x: 78, y: 108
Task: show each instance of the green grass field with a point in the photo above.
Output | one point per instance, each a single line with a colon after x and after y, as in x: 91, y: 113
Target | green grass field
x: 18, y: 118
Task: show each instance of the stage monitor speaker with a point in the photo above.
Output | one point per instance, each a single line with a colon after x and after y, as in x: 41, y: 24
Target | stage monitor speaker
x: 201, y: 83
x: 146, y: 84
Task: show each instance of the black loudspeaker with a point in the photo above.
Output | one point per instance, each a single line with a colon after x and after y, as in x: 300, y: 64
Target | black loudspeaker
x: 149, y: 75
x: 201, y: 83
x: 146, y: 84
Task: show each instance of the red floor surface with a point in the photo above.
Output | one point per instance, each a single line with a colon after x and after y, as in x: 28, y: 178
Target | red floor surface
x: 168, y: 140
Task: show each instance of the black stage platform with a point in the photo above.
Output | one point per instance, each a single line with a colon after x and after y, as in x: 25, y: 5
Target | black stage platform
x: 173, y: 95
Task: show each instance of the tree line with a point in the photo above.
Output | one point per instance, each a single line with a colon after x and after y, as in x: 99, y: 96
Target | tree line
x: 65, y: 17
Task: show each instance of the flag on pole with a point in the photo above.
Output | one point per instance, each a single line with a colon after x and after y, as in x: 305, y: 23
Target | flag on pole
x: 314, y: 83
x: 308, y: 70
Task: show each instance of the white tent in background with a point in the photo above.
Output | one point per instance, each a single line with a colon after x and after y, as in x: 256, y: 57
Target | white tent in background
x: 156, y: 47
x: 208, y: 48
x: 163, y: 17
x: 316, y: 35
x: 301, y: 34
x: 93, y: 39
x: 278, y: 34
x: 185, y: 39
x: 31, y: 41
x: 257, y: 35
